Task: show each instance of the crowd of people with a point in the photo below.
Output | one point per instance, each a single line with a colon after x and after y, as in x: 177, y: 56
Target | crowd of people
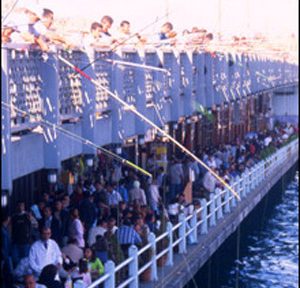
x: 34, y: 25
x: 70, y: 233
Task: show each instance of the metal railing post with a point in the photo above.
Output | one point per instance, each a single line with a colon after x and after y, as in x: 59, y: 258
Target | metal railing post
x: 252, y: 183
x: 182, y: 233
x: 256, y: 175
x: 243, y: 185
x: 219, y: 204
x: 109, y: 268
x: 151, y: 239
x: 194, y: 234
x: 133, y: 267
x: 212, y: 210
x: 227, y: 201
x: 234, y: 185
x: 203, y: 216
x: 170, y: 248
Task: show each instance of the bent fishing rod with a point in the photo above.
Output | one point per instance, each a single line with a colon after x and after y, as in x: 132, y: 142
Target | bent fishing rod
x: 141, y: 116
x: 80, y: 139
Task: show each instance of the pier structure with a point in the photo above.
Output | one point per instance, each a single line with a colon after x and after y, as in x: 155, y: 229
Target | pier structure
x: 50, y: 114
x: 175, y: 89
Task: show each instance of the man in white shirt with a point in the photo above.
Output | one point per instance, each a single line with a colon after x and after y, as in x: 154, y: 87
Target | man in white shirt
x: 42, y: 29
x: 100, y: 229
x: 154, y: 196
x: 44, y: 252
x: 94, y: 40
x: 209, y: 182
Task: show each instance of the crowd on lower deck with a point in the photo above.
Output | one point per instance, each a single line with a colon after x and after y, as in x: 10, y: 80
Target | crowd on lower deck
x: 71, y: 232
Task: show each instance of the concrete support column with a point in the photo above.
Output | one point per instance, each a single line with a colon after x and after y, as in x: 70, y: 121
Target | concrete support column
x: 200, y: 89
x: 6, y: 168
x: 209, y: 90
x: 50, y: 90
x: 118, y: 115
x: 186, y: 60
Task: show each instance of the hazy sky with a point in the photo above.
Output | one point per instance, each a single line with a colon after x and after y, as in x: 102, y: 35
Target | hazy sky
x: 231, y: 16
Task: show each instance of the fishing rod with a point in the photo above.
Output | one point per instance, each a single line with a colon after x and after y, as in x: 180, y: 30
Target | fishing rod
x: 132, y: 64
x: 133, y: 109
x: 81, y: 139
x: 127, y: 39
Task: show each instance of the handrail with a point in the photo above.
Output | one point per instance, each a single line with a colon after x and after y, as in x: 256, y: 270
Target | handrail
x: 278, y: 157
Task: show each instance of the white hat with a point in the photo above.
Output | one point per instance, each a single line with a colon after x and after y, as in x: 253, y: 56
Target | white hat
x: 136, y: 184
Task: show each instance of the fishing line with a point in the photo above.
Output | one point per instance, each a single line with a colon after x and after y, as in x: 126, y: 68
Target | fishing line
x: 9, y: 11
x: 81, y: 139
x: 134, y: 110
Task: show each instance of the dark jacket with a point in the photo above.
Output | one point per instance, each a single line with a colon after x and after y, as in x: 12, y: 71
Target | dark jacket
x: 21, y: 229
x: 88, y: 212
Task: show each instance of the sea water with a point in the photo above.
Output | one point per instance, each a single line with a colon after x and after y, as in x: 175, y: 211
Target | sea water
x: 264, y: 252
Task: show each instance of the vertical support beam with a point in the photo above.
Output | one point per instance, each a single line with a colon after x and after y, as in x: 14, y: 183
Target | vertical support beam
x: 6, y: 168
x: 118, y: 113
x: 89, y: 108
x: 182, y: 234
x: 109, y: 268
x: 151, y: 239
x: 204, y: 228
x: 175, y: 87
x: 140, y: 100
x: 170, y: 248
x: 186, y: 60
x: 200, y: 89
x: 48, y: 70
x: 209, y: 91
x: 133, y: 267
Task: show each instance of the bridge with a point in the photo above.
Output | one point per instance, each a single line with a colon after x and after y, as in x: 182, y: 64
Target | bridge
x: 166, y: 85
x: 51, y: 113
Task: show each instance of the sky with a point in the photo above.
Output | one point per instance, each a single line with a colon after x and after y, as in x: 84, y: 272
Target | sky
x: 273, y: 17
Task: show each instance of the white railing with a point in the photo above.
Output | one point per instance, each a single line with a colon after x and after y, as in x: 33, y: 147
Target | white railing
x: 221, y: 202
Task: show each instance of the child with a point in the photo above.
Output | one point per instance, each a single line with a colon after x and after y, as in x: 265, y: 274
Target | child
x: 82, y: 274
x: 96, y: 267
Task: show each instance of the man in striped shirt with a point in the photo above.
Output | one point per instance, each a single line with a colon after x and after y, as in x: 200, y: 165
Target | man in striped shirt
x: 127, y: 236
x: 113, y: 196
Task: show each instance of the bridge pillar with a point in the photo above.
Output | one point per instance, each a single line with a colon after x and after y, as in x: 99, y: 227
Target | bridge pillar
x: 6, y: 162
x: 48, y: 70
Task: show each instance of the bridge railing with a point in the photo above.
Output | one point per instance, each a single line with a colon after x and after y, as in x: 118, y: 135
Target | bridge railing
x: 171, y: 79
x: 196, y: 223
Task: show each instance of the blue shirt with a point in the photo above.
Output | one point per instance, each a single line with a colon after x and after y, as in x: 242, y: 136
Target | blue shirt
x: 124, y: 193
x: 127, y: 235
